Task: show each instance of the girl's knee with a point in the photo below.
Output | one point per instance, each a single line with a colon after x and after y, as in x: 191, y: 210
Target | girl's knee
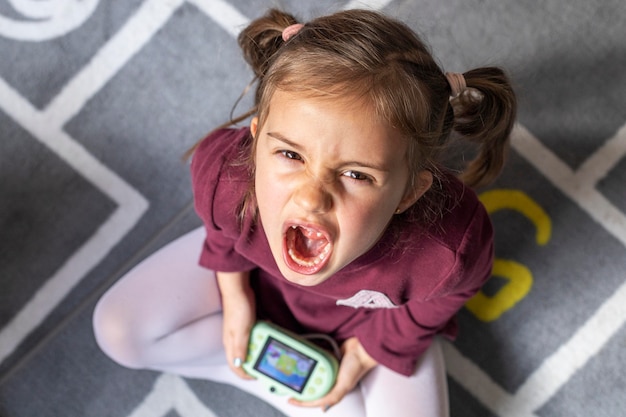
x: 115, y: 334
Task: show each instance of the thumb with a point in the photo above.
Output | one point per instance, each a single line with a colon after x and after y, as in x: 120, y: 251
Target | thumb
x: 237, y: 355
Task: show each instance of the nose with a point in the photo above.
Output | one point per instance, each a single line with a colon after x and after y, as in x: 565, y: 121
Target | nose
x: 313, y: 197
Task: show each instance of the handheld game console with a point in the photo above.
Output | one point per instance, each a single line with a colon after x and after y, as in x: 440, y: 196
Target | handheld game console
x: 288, y: 364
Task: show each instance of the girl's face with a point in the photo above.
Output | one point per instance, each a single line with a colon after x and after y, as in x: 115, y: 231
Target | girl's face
x: 329, y: 177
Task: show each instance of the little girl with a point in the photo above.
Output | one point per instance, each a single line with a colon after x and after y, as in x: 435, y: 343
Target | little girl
x: 329, y: 214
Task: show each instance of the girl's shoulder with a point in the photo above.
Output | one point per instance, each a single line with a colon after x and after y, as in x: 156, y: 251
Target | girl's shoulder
x: 457, y: 215
x: 223, y: 151
x: 458, y: 245
x: 220, y: 175
x: 221, y: 145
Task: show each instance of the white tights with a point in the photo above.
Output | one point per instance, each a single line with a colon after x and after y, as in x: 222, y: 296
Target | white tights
x: 165, y: 315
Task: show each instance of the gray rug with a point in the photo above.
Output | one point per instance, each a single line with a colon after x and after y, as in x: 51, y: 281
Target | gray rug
x: 99, y: 99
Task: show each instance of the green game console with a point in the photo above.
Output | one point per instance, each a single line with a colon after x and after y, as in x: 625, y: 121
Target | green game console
x: 288, y: 364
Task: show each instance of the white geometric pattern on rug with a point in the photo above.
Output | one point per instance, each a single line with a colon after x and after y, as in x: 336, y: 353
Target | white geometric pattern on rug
x: 170, y: 392
x: 47, y: 127
x: 556, y: 370
x: 46, y: 20
x: 131, y: 206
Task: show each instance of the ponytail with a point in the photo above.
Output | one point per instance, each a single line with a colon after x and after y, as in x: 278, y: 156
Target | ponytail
x: 485, y: 114
x: 260, y: 40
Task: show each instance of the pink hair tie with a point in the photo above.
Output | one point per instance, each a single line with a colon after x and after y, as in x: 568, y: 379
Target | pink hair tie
x: 289, y: 31
x: 457, y: 83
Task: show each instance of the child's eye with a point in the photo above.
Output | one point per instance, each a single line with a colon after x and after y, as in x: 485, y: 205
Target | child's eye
x: 357, y: 176
x: 291, y: 155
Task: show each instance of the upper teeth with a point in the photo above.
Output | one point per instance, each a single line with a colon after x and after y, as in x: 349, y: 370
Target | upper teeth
x: 318, y: 235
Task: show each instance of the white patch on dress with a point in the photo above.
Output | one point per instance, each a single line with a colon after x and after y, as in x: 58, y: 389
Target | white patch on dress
x: 367, y: 299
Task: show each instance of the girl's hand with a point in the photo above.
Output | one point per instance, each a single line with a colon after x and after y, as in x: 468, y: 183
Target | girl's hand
x: 239, y: 310
x: 356, y: 362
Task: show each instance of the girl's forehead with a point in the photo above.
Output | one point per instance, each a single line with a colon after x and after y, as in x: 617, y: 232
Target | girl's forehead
x: 341, y: 124
x: 342, y: 100
x: 307, y: 105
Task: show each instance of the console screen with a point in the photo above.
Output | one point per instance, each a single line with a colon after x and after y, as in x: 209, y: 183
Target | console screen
x: 285, y: 365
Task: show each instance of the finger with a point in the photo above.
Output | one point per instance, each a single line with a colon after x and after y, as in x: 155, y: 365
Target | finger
x: 236, y: 355
x: 325, y: 406
x: 325, y: 403
x: 235, y: 363
x: 238, y: 369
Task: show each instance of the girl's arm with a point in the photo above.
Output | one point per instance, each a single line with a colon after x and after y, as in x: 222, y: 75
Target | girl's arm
x: 239, y: 311
x: 355, y: 363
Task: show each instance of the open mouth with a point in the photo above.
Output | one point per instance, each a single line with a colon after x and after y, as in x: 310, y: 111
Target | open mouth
x: 306, y: 249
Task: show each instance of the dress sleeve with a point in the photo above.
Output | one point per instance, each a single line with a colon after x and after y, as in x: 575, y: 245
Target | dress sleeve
x: 219, y: 183
x: 403, y: 334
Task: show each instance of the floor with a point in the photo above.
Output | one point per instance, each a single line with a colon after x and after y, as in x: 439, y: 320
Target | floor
x: 100, y: 99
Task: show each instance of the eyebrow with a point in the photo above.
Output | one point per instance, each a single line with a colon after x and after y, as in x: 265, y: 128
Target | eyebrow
x: 281, y: 138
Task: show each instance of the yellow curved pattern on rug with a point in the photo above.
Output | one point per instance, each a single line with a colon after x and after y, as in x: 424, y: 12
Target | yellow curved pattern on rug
x: 520, y: 278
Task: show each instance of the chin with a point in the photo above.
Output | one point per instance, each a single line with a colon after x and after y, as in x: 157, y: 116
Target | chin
x: 305, y: 280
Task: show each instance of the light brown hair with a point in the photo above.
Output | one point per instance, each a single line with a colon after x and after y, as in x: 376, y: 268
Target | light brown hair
x: 367, y: 55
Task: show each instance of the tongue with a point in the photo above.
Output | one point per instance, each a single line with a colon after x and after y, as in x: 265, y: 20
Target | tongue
x: 307, y: 250
x: 307, y: 244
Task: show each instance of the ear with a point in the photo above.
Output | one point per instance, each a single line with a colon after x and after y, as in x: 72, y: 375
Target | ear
x: 423, y: 181
x: 254, y: 125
